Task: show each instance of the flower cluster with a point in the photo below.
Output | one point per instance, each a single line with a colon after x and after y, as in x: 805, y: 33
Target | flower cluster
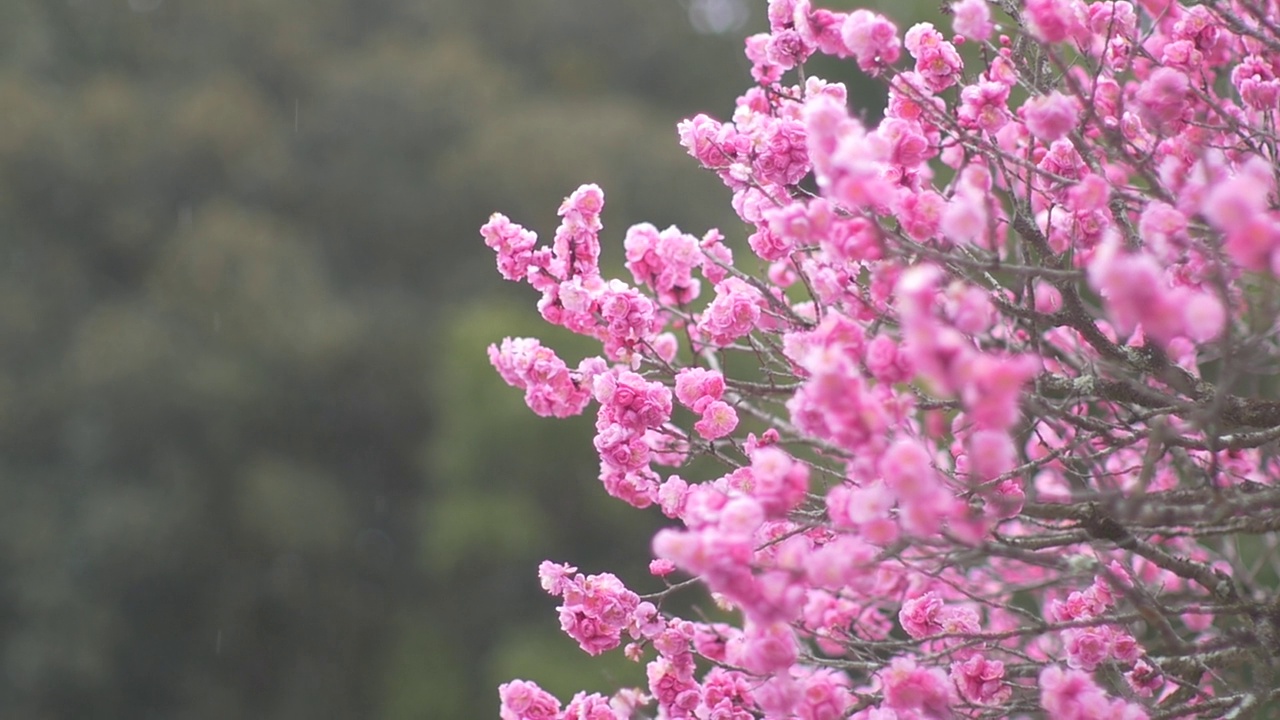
x: 986, y: 386
x: 597, y: 608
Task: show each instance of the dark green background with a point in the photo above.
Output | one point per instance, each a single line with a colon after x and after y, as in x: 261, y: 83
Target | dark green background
x: 253, y: 462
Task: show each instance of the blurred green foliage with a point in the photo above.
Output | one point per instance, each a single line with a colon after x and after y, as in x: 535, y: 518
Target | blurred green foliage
x: 254, y: 462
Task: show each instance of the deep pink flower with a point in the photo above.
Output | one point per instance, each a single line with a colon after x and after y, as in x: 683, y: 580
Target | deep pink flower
x: 513, y: 244
x: 1145, y: 678
x: 985, y: 105
x: 1053, y: 20
x: 1087, y: 647
x: 920, y: 616
x: 981, y: 681
x: 732, y: 314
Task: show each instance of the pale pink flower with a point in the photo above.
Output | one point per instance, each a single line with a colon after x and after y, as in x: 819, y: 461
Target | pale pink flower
x: 908, y: 687
x: 972, y: 19
x: 719, y: 419
x: 1051, y: 116
x: 524, y: 700
x: 871, y: 38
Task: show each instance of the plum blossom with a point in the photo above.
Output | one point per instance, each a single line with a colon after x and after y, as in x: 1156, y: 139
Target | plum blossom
x: 997, y: 339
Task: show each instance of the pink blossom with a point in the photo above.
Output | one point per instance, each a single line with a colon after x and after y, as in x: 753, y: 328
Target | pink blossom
x: 882, y: 359
x: 801, y: 224
x: 626, y: 475
x: 824, y: 695
x: 1136, y: 293
x: 937, y: 309
x: 1232, y: 203
x: 911, y: 98
x: 726, y: 694
x: 674, y: 641
x: 663, y: 261
x: 1052, y: 21
x: 838, y: 562
x: 764, y: 68
x: 768, y: 648
x: 1081, y: 605
x: 697, y: 387
x: 661, y: 568
x: 781, y: 156
x: 665, y: 346
x: 937, y: 61
x: 778, y: 480
x: 590, y: 707
x: 1063, y: 161
x: 732, y: 314
x: 964, y: 219
x: 576, y: 251
x: 782, y: 13
x: 1182, y: 55
x: 741, y: 516
x: 1048, y: 299
x: 786, y: 49
x: 1072, y: 695
x: 1087, y: 647
x: 1051, y: 116
x: 1007, y: 499
x: 1145, y: 679
x: 1068, y: 694
x: 555, y: 577
x: 921, y: 214
x: 551, y: 389
x: 908, y: 147
x: 513, y: 244
x: 920, y: 615
x: 908, y: 469
x: 991, y: 454
x: 622, y: 448
x: 718, y: 420
x: 985, y: 105
x: 972, y: 19
x: 778, y: 696
x: 596, y: 610
x: 1124, y: 647
x: 907, y: 686
x: 770, y: 245
x: 1253, y: 244
x: 1161, y: 224
x: 676, y: 692
x: 629, y: 400
x: 715, y: 256
x: 981, y: 681
x: 995, y: 385
x: 1203, y: 317
x: 1162, y: 99
x: 871, y: 38
x: 524, y: 700
x: 670, y: 496
x: 1255, y: 79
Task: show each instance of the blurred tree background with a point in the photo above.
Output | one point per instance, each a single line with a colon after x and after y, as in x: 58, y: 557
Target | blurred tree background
x: 253, y: 460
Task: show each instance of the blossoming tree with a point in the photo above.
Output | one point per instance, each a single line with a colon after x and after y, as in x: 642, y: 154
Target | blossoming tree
x: 1004, y: 446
